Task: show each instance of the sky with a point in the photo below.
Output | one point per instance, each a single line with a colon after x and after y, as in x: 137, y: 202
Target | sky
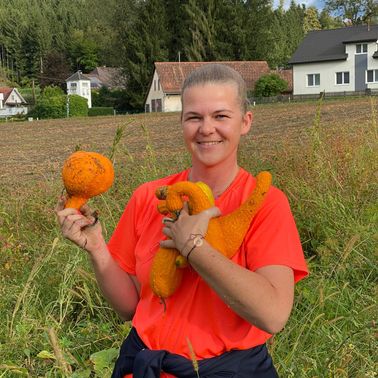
x: 317, y: 3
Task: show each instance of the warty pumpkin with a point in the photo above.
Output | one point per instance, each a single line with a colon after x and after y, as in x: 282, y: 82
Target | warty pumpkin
x: 225, y: 233
x: 85, y: 175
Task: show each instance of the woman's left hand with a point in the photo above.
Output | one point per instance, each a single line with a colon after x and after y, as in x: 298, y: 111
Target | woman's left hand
x: 186, y: 226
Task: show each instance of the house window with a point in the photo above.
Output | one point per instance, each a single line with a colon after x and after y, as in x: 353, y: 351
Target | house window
x: 372, y: 76
x: 154, y: 85
x: 342, y: 78
x: 361, y: 48
x: 313, y: 80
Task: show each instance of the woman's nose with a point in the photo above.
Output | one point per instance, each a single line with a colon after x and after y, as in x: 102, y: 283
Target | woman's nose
x: 207, y: 126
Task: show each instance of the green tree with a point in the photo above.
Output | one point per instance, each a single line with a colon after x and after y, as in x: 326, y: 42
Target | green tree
x: 144, y: 35
x: 356, y: 11
x: 202, y: 45
x: 329, y: 22
x: 270, y: 85
x: 311, y: 20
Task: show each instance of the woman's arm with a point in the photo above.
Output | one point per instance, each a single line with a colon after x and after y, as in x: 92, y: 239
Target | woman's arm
x: 264, y: 297
x: 119, y: 288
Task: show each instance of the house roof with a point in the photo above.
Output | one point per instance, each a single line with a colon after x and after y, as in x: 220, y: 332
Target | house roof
x: 173, y: 74
x: 78, y: 76
x: 328, y: 45
x: 110, y: 77
x: 6, y: 91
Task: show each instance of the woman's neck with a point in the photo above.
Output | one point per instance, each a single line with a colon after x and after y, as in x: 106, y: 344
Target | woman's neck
x: 218, y: 179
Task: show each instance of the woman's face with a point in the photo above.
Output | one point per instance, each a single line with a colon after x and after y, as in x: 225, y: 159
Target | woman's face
x: 213, y: 123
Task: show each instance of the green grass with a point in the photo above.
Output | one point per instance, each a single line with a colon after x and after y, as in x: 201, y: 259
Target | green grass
x: 56, y: 324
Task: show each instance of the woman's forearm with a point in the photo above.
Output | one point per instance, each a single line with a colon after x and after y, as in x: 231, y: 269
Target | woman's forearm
x: 117, y: 286
x: 264, y: 298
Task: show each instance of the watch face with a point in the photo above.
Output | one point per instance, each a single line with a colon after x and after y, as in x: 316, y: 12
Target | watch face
x: 198, y: 241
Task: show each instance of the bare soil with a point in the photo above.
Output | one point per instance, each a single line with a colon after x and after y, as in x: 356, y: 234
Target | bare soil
x: 34, y: 151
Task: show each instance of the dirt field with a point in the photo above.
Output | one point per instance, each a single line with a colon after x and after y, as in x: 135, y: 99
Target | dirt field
x: 35, y: 150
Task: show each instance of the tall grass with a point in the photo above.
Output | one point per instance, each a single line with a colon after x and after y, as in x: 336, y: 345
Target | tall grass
x: 54, y: 322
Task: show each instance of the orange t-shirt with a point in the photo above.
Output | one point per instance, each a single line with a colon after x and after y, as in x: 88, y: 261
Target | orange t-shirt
x: 195, y: 312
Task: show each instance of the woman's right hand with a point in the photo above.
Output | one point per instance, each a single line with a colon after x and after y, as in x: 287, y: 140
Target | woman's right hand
x: 81, y: 227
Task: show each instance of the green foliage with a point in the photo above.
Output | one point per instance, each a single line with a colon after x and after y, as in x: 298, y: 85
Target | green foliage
x: 270, y: 85
x: 78, y: 106
x: 356, y: 11
x: 100, y: 111
x: 328, y: 175
x: 50, y: 107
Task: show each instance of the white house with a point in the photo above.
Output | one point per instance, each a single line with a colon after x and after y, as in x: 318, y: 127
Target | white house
x: 336, y: 60
x: 11, y: 102
x: 79, y: 84
x: 165, y: 87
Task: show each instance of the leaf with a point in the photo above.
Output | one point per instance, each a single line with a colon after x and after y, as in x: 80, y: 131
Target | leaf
x: 104, y: 359
x: 44, y: 354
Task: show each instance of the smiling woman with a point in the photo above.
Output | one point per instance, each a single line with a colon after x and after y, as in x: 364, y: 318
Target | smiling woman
x: 225, y: 308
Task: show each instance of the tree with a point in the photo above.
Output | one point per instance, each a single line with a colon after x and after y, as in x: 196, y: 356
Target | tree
x: 311, y: 20
x: 329, y: 22
x: 270, y: 85
x: 355, y: 11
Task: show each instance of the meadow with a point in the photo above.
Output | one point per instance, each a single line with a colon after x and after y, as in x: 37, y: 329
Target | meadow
x: 322, y: 154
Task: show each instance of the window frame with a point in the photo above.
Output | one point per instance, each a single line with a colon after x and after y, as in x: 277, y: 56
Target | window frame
x: 314, y: 75
x: 342, y: 77
x: 375, y: 76
x: 361, y: 45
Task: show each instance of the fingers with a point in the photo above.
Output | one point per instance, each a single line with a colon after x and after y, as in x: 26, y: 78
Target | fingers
x: 168, y: 244
x: 213, y: 212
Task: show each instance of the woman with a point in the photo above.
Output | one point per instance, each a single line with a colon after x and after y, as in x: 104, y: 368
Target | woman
x: 225, y: 309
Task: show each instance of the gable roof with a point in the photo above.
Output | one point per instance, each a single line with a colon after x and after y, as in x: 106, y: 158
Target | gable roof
x: 173, y: 74
x: 110, y: 77
x: 78, y: 76
x: 7, y: 91
x: 328, y: 45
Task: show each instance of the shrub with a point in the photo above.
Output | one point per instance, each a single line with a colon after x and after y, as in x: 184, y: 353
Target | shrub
x: 78, y: 106
x: 50, y: 107
x: 100, y: 111
x: 270, y: 85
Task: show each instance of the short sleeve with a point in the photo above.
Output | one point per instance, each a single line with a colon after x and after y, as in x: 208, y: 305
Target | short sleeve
x: 273, y: 238
x: 122, y: 243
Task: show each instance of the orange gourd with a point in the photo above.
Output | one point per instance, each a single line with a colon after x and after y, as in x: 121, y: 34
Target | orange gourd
x: 225, y: 233
x: 85, y: 175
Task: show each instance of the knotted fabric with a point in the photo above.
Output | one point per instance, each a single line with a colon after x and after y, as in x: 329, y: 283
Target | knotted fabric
x: 142, y: 362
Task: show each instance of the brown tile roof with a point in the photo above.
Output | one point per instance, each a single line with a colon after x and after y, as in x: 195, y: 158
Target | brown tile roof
x: 6, y: 91
x: 172, y: 74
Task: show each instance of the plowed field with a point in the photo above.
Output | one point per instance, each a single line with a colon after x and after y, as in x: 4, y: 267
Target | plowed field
x: 35, y: 150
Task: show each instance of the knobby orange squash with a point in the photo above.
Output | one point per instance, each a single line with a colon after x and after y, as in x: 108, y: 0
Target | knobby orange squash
x: 225, y: 233
x: 85, y: 175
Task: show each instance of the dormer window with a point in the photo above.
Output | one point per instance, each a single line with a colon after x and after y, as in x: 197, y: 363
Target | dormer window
x: 361, y: 48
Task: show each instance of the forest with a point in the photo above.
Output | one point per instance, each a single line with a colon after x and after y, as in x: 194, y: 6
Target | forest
x: 45, y: 41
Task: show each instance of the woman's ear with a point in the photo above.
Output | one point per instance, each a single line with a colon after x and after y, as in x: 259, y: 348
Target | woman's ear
x: 247, y: 122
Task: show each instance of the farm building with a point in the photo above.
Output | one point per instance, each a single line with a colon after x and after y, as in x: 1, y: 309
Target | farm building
x: 109, y: 77
x: 165, y: 87
x: 80, y: 84
x: 337, y: 60
x: 11, y: 102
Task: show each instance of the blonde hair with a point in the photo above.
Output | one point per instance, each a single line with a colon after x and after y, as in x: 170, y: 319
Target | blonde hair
x: 217, y: 73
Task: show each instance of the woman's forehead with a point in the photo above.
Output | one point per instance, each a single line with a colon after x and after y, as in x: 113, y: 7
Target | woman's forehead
x: 221, y: 91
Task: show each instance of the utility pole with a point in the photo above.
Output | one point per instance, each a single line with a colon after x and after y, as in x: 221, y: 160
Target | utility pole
x: 33, y: 92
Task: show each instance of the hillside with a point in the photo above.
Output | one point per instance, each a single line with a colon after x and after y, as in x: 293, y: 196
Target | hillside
x: 35, y: 150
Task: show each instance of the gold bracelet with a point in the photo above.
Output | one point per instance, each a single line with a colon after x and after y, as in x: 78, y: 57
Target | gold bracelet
x: 197, y: 242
